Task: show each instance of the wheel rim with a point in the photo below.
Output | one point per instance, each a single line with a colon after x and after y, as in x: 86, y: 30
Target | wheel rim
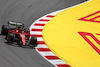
x: 20, y: 43
x: 9, y: 40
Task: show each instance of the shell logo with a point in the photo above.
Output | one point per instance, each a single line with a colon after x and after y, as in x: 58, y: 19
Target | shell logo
x: 84, y: 34
x: 74, y: 35
x: 95, y: 17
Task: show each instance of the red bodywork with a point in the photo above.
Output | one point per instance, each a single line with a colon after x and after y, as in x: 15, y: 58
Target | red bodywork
x: 21, y: 33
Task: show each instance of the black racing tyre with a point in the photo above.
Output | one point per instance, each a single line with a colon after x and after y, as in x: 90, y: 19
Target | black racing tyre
x: 27, y: 30
x: 10, y: 37
x: 20, y: 43
x: 4, y: 29
x: 33, y: 41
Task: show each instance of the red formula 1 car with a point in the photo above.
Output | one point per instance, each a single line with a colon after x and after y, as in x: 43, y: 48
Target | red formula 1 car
x: 15, y: 32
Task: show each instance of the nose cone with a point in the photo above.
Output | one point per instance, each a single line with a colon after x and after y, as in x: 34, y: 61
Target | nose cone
x: 23, y: 39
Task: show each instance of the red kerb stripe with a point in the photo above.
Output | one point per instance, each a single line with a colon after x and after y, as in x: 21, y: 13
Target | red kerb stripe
x: 35, y: 35
x: 37, y: 24
x: 51, y: 57
x: 63, y: 65
x: 38, y: 35
x: 36, y: 29
x: 50, y: 16
x: 41, y: 42
x: 43, y: 49
x: 44, y: 20
x: 98, y: 34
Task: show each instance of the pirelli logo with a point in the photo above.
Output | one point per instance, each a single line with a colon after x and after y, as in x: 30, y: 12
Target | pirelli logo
x: 94, y: 17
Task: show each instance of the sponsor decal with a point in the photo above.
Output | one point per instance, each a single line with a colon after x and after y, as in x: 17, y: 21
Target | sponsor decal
x: 94, y: 17
x: 85, y: 34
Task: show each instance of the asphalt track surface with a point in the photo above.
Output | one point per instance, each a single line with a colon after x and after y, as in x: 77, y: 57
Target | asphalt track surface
x: 26, y: 11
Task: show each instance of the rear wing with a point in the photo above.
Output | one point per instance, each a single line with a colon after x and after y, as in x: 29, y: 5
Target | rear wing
x: 16, y: 23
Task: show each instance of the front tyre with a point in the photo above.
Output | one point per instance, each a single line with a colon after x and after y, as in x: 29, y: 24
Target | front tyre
x: 20, y: 43
x: 10, y: 37
x: 33, y: 41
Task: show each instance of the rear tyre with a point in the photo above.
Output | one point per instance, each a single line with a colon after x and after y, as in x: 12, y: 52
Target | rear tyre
x: 20, y: 43
x: 4, y: 30
x: 33, y: 41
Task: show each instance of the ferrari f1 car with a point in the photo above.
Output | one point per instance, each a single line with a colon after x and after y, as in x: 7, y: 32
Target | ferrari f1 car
x: 15, y: 32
